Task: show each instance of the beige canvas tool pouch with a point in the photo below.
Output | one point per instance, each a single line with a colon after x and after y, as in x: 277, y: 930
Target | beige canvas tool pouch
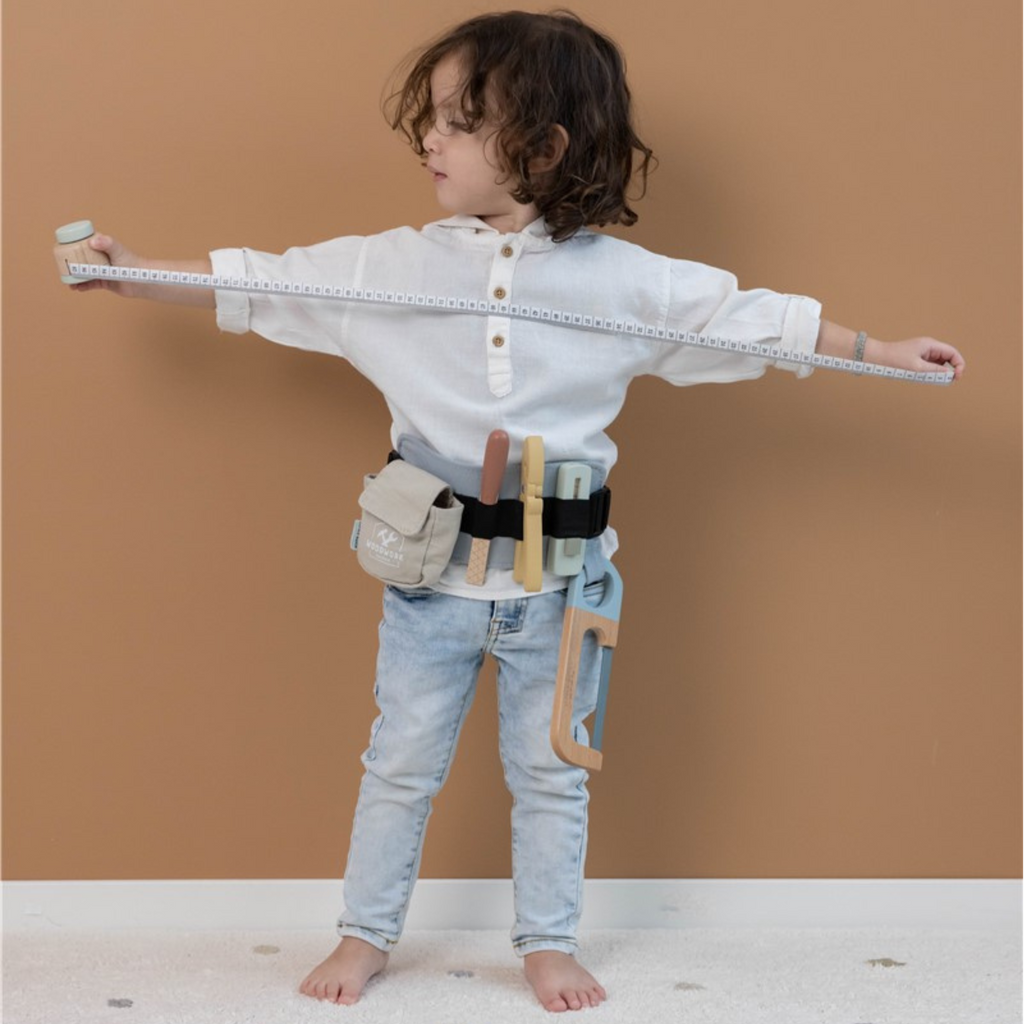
x: 409, y: 526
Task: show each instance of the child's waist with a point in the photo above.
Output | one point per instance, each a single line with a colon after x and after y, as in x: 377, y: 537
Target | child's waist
x: 563, y: 518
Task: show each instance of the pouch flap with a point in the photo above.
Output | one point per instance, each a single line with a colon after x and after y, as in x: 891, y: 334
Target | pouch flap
x: 402, y: 495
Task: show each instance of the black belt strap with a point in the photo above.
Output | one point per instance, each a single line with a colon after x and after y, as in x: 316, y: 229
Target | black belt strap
x: 563, y: 517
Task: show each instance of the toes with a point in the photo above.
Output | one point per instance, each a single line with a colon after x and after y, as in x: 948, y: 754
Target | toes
x: 340, y: 993
x: 349, y: 994
x: 581, y: 999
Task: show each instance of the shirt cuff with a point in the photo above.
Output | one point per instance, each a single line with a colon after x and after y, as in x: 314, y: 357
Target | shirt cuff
x: 232, y: 307
x: 800, y: 333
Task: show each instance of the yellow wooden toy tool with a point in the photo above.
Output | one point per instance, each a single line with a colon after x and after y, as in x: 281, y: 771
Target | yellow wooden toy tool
x: 528, y: 566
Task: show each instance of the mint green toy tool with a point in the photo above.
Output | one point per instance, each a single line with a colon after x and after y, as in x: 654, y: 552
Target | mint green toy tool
x: 565, y: 555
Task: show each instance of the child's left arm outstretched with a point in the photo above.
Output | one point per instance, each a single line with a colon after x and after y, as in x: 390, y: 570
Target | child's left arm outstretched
x: 920, y: 355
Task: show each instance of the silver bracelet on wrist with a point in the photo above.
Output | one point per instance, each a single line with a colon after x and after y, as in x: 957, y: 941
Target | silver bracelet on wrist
x: 858, y: 347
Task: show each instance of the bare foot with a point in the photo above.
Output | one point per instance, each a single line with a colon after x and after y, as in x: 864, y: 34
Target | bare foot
x: 341, y: 977
x: 560, y: 982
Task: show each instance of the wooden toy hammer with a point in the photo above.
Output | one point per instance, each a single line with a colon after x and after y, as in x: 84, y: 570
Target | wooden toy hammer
x: 582, y: 617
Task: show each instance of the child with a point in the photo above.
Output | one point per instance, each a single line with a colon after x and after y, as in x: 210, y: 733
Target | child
x: 523, y: 124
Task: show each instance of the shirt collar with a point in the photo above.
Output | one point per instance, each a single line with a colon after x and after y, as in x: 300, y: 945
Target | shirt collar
x: 535, y: 235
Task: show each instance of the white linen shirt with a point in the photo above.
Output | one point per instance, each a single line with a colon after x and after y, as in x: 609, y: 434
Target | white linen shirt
x: 449, y: 379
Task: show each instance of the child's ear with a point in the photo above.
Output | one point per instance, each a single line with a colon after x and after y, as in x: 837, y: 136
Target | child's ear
x: 553, y: 152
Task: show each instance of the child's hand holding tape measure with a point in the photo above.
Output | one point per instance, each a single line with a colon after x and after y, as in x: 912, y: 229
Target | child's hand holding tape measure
x: 79, y: 243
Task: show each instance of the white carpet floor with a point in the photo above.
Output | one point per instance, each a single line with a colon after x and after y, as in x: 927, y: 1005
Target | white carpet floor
x: 692, y: 976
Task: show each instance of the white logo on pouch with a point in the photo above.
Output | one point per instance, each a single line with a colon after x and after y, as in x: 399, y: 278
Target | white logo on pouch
x: 382, y: 546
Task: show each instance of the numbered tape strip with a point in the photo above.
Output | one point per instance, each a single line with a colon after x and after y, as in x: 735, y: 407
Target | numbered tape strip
x: 448, y: 304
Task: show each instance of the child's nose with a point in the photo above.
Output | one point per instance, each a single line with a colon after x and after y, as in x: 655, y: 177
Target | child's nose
x: 432, y: 139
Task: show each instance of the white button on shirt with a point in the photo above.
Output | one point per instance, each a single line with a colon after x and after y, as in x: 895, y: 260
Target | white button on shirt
x: 451, y: 378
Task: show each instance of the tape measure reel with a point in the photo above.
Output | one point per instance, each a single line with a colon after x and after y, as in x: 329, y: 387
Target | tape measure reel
x: 452, y: 304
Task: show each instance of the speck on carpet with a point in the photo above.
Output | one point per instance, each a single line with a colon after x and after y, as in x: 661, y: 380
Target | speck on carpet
x: 687, y: 976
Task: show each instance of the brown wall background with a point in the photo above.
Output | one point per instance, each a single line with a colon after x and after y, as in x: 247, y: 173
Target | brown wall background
x: 820, y: 667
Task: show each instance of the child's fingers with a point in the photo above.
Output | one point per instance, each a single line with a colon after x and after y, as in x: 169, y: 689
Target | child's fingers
x: 956, y: 361
x: 938, y: 353
x: 118, y: 254
x: 945, y: 354
x: 104, y: 243
x: 99, y: 286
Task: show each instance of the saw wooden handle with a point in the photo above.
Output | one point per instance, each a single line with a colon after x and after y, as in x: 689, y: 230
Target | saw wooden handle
x: 581, y: 618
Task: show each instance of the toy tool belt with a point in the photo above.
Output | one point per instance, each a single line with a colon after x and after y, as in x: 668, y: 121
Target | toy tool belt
x: 563, y: 518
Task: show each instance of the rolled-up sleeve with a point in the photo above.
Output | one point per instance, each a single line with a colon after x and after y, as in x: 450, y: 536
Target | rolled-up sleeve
x: 313, y: 324
x: 708, y: 301
x: 232, y: 307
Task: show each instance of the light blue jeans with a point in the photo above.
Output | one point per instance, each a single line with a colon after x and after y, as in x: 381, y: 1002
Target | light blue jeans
x: 432, y: 646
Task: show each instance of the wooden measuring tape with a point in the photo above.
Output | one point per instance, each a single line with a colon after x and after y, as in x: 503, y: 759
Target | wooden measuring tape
x: 452, y: 304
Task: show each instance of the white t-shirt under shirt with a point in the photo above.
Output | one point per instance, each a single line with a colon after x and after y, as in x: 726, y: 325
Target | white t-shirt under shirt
x: 449, y: 379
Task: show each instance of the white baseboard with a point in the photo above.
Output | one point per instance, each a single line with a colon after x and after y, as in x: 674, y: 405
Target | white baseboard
x: 487, y: 904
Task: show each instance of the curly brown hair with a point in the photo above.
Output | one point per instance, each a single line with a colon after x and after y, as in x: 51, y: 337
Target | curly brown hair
x: 538, y: 71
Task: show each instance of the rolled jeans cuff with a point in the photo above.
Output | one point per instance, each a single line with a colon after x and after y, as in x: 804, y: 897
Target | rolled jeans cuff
x: 375, y: 939
x: 538, y: 944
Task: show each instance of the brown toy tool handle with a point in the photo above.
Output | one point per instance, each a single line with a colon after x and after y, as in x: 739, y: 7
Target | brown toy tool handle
x: 495, y: 461
x: 578, y: 622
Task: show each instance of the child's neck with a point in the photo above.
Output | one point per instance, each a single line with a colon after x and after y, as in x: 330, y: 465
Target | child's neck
x: 513, y: 221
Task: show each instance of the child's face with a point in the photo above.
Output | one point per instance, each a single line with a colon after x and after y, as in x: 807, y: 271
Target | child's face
x: 464, y: 165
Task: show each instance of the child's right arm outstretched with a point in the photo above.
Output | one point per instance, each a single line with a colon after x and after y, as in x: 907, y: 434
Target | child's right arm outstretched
x: 120, y: 256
